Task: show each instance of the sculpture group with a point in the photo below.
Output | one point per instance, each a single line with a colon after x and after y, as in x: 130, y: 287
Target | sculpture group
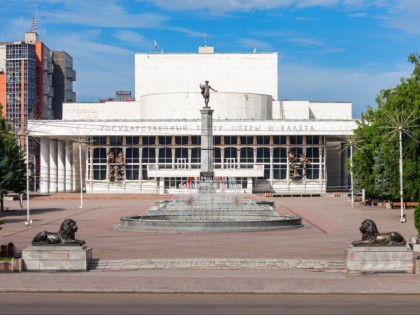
x: 116, y: 166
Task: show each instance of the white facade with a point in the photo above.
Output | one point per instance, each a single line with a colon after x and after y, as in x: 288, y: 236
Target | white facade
x: 158, y: 135
x: 174, y: 73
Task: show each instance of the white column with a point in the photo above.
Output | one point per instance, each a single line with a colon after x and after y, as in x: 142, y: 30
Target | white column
x: 53, y: 165
x: 61, y: 165
x: 69, y: 166
x: 44, y: 176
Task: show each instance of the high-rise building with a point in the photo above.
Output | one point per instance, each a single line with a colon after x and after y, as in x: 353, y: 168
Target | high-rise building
x: 63, y: 78
x: 34, y: 83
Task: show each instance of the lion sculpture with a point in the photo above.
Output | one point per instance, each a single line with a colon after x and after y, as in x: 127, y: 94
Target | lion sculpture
x: 372, y: 237
x: 65, y: 236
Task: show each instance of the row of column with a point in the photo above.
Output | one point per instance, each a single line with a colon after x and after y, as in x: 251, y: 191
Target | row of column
x: 57, y: 170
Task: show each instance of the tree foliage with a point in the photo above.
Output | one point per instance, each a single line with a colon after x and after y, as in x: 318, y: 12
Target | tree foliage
x: 12, y: 164
x: 376, y: 163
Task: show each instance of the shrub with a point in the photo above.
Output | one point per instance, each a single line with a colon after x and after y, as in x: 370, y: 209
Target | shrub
x: 417, y: 218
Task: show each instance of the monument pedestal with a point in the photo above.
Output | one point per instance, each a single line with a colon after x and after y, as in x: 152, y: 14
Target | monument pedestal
x: 379, y: 259
x: 56, y: 258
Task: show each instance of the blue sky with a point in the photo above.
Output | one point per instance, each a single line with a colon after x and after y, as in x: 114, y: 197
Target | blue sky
x: 329, y: 50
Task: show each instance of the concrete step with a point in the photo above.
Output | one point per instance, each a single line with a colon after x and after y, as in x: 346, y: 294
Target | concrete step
x: 216, y: 263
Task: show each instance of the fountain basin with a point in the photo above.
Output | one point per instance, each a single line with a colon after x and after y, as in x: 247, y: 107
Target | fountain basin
x: 173, y: 223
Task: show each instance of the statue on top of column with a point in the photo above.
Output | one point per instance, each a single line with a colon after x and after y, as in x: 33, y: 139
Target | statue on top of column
x: 205, y: 91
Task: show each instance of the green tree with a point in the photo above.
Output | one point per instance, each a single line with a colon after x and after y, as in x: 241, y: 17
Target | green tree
x: 376, y: 166
x: 12, y: 164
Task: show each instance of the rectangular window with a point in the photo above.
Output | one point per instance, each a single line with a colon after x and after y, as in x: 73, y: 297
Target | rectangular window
x: 99, y: 140
x: 279, y: 140
x: 247, y: 158
x: 195, y: 140
x: 165, y: 158
x: 99, y: 171
x: 195, y: 157
x: 248, y: 140
x: 231, y: 140
x: 165, y: 140
x: 296, y: 139
x: 99, y: 155
x: 132, y: 172
x: 263, y: 140
x: 132, y: 155
x: 217, y: 140
x: 312, y: 139
x: 115, y: 140
x: 132, y: 140
x: 148, y: 140
x: 181, y: 140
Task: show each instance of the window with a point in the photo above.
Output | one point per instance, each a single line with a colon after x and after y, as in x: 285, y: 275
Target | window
x: 148, y: 140
x: 247, y: 140
x: 148, y: 157
x: 231, y: 140
x: 99, y: 163
x: 165, y: 158
x: 217, y: 140
x: 165, y: 140
x: 132, y: 140
x: 115, y: 140
x: 195, y: 157
x: 132, y: 160
x: 263, y: 140
x: 181, y: 141
x: 296, y: 139
x: 247, y: 158
x: 195, y: 140
x: 263, y: 157
x: 279, y: 140
x: 279, y: 163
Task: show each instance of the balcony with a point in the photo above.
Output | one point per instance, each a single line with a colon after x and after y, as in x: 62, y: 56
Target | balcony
x: 166, y: 170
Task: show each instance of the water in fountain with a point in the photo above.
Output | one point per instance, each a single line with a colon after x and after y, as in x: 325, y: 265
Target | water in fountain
x: 209, y: 210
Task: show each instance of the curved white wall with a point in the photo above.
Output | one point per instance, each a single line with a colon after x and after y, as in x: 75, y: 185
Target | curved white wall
x: 187, y: 106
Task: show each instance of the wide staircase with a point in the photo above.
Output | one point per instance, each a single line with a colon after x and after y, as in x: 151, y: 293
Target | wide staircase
x: 216, y: 263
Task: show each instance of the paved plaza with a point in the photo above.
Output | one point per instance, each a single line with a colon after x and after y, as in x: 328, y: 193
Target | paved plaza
x: 331, y: 225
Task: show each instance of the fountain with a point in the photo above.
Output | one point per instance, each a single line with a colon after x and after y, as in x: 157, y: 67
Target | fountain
x: 208, y: 210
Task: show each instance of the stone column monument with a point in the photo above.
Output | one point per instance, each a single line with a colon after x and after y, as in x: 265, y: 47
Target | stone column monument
x: 206, y: 134
x: 206, y: 143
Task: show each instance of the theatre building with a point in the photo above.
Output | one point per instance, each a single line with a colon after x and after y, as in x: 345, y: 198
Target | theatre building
x: 153, y: 144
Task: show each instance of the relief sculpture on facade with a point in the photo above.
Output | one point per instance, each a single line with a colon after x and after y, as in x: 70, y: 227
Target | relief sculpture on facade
x: 297, y: 165
x: 116, y: 166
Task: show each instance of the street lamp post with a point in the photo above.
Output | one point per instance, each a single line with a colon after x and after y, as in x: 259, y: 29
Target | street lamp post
x: 351, y: 175
x: 28, y: 219
x: 81, y: 180
x: 402, y: 218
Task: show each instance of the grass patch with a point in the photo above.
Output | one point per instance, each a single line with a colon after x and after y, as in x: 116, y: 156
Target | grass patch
x: 5, y: 259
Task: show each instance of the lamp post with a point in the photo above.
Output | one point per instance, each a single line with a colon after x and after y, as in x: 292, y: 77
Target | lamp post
x: 28, y: 219
x: 402, y: 218
x: 351, y: 175
x: 81, y: 180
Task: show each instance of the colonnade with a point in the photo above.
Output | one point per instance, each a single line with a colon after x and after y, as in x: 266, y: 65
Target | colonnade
x: 58, y: 169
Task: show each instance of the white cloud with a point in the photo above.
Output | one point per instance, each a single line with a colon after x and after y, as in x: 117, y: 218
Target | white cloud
x: 128, y: 36
x: 99, y: 13
x: 306, y: 41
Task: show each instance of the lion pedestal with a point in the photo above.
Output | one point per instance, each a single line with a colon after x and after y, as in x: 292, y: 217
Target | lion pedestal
x: 57, y: 251
x: 379, y: 259
x: 56, y: 258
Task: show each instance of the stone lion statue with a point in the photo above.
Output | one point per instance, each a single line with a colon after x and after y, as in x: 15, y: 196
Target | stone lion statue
x: 65, y: 235
x: 372, y: 237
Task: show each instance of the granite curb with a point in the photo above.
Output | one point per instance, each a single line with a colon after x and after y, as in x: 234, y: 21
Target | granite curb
x: 211, y: 282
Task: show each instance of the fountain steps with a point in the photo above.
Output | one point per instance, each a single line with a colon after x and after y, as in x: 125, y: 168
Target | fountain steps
x: 216, y: 263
